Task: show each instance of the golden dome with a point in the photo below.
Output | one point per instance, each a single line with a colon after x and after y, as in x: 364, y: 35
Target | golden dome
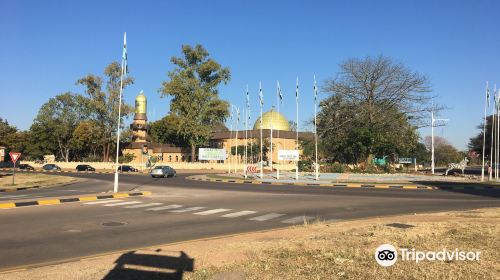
x: 274, y: 119
x: 140, y: 107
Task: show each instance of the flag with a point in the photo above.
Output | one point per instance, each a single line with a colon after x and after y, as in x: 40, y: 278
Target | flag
x: 231, y: 115
x: 248, y: 98
x: 280, y: 94
x: 238, y: 114
x: 124, y: 54
x: 261, y: 95
x: 297, y: 90
x: 315, y: 90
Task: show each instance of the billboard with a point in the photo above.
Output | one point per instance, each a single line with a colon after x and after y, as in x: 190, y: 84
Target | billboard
x: 406, y: 160
x: 288, y: 154
x: 211, y: 154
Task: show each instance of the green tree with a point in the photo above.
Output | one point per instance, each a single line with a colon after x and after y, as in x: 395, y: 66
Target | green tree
x: 86, y: 139
x: 193, y: 86
x: 444, y: 152
x: 58, y: 118
x: 102, y: 105
x: 165, y: 131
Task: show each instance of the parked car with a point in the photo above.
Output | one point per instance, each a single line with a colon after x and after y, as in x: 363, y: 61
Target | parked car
x: 162, y: 171
x: 84, y: 167
x: 126, y: 168
x: 51, y: 166
x: 24, y: 166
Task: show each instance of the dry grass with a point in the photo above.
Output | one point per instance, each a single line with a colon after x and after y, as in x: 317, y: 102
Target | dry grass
x: 332, y: 251
x: 32, y: 179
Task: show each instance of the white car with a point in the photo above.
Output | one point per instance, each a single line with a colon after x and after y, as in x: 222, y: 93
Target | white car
x: 162, y: 171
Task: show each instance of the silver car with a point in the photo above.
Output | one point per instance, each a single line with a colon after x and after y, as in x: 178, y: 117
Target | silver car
x: 162, y: 171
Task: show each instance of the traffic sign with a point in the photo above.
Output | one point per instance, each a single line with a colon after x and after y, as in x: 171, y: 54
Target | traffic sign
x: 14, y: 156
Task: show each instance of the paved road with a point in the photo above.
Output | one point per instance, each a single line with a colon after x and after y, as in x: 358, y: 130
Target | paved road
x: 182, y: 210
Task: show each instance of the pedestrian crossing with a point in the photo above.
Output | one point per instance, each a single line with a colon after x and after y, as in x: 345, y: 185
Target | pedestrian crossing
x: 250, y: 215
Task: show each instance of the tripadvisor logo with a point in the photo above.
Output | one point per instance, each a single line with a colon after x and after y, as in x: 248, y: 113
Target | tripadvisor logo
x: 387, y: 255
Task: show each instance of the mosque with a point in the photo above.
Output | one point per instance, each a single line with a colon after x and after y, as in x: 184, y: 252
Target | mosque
x: 142, y: 149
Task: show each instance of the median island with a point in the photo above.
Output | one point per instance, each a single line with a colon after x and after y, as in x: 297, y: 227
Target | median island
x: 29, y: 180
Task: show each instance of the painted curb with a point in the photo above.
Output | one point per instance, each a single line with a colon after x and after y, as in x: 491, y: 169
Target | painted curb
x: 346, y: 185
x: 49, y: 201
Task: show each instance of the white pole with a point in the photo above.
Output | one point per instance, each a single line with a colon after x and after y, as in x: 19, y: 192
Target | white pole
x: 316, y: 128
x: 261, y: 151
x: 432, y: 141
x: 246, y: 137
x: 484, y: 131
x: 237, y: 128
x: 278, y: 104
x: 115, y: 187
x: 297, y: 129
x: 230, y: 141
x: 490, y: 166
x: 498, y: 141
x: 272, y: 124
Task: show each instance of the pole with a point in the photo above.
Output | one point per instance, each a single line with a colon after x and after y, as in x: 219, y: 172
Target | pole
x: 13, y: 173
x: 432, y: 141
x: 297, y: 128
x: 278, y: 104
x: 246, y: 137
x: 237, y: 128
x: 498, y: 139
x: 316, y: 129
x: 115, y: 188
x: 272, y: 124
x: 490, y: 166
x: 261, y: 151
x: 484, y: 131
x: 230, y: 140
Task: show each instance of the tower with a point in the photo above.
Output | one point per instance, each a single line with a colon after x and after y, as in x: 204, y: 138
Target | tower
x: 140, y: 125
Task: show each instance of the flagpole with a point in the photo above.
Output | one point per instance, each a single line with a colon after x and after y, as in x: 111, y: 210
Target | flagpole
x: 246, y: 137
x: 316, y: 129
x: 297, y: 129
x: 124, y: 57
x: 432, y: 141
x: 272, y: 124
x: 237, y: 128
x: 484, y: 132
x: 278, y: 104
x: 230, y: 140
x: 490, y: 166
x: 261, y: 151
x: 498, y: 138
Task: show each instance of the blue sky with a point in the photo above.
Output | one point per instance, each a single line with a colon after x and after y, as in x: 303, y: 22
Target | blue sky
x: 45, y: 46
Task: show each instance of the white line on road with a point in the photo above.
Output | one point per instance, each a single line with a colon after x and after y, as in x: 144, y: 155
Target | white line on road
x: 144, y: 205
x: 238, y: 214
x: 190, y: 209
x: 298, y: 219
x: 267, y: 217
x: 172, y: 206
x: 122, y: 203
x: 213, y: 211
x: 103, y: 201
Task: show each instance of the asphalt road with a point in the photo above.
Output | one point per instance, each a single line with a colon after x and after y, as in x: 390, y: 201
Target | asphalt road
x: 180, y: 210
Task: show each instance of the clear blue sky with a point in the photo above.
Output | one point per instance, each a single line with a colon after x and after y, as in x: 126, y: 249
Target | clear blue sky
x: 45, y: 46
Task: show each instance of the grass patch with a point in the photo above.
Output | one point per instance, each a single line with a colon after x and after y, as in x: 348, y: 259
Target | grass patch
x: 217, y: 176
x: 32, y: 179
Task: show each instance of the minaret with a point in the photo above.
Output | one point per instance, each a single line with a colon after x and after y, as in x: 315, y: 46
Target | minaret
x: 140, y: 124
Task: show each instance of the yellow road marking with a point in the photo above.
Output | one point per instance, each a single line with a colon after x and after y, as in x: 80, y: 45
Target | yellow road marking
x: 49, y: 202
x: 88, y: 198
x: 7, y: 205
x: 119, y: 195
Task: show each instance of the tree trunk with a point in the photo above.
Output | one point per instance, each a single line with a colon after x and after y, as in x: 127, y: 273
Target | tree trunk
x: 193, y: 153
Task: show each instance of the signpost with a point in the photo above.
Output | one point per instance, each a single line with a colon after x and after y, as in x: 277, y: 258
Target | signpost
x: 211, y: 154
x: 288, y: 155
x: 14, y: 157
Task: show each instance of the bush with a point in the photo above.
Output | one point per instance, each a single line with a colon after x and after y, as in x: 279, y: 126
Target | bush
x: 333, y: 168
x: 305, y: 165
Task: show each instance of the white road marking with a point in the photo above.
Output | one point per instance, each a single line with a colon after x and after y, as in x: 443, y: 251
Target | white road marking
x: 103, y: 201
x: 122, y: 203
x: 213, y: 211
x: 21, y: 195
x: 267, y: 217
x: 144, y: 205
x: 172, y: 206
x: 190, y: 209
x: 239, y: 214
x: 298, y: 219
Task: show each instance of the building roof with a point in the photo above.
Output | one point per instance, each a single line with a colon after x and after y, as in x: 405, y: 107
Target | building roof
x: 158, y: 148
x: 274, y: 120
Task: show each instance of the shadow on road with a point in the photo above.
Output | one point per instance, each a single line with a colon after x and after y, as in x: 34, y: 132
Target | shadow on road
x: 490, y: 190
x: 133, y: 265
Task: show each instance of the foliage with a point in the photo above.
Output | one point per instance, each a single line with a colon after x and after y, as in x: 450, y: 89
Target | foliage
x: 165, y: 131
x: 193, y: 86
x: 374, y: 109
x: 476, y: 142
x: 126, y: 158
x: 444, y: 152
x: 332, y: 167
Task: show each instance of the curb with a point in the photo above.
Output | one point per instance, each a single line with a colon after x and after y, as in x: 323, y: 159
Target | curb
x: 38, y: 187
x: 346, y: 185
x: 49, y: 201
x: 71, y: 171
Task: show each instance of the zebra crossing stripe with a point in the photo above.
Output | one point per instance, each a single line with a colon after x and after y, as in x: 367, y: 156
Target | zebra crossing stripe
x: 103, y: 201
x: 144, y: 205
x: 266, y: 217
x: 239, y: 214
x: 295, y: 220
x: 187, y: 209
x: 213, y: 211
x: 122, y: 203
x: 172, y: 206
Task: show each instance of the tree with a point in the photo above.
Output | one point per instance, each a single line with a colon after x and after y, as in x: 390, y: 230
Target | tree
x: 86, y: 139
x: 476, y: 142
x: 193, y: 86
x: 374, y: 108
x: 12, y: 138
x: 57, y: 120
x: 444, y: 152
x: 165, y: 131
x: 102, y: 105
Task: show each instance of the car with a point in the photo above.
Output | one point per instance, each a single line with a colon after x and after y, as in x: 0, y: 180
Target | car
x: 25, y: 166
x: 126, y: 168
x: 84, y: 167
x: 162, y: 171
x: 51, y: 166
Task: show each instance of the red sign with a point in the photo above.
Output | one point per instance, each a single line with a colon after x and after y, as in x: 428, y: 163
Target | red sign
x: 14, y: 156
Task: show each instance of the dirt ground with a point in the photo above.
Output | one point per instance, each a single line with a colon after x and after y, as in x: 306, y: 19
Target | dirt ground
x: 321, y: 250
x: 31, y: 179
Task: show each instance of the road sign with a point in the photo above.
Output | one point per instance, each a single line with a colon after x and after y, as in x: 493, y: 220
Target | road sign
x: 14, y: 156
x: 288, y: 154
x: 252, y: 169
x: 407, y: 160
x: 211, y: 154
